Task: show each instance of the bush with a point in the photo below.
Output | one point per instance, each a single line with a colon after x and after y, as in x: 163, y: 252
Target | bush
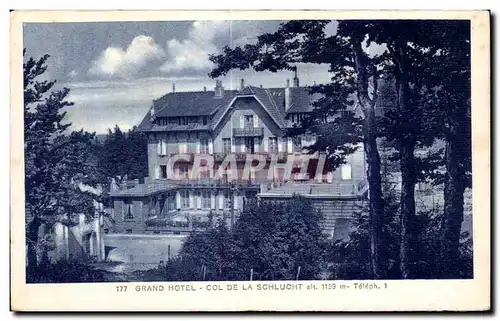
x: 66, y: 272
x: 279, y: 241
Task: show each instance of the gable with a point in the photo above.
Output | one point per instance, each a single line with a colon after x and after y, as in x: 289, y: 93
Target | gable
x: 263, y: 97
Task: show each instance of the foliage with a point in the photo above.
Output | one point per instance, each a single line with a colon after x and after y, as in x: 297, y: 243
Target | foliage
x: 344, y: 114
x: 350, y: 259
x: 123, y: 155
x: 420, y: 85
x: 57, y: 162
x: 275, y: 240
x: 65, y: 272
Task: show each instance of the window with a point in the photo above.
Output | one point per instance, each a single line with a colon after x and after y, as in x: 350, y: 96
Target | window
x: 297, y: 143
x: 171, y: 203
x: 205, y: 199
x: 183, y: 148
x: 128, y: 215
x: 226, y: 145
x: 162, y: 147
x: 162, y: 121
x: 345, y: 113
x: 249, y: 145
x: 227, y: 201
x: 205, y: 120
x: 249, y: 121
x: 163, y: 170
x: 185, y: 199
x: 345, y: 171
x: 273, y: 144
x: 183, y: 120
x: 204, y: 146
x: 86, y: 243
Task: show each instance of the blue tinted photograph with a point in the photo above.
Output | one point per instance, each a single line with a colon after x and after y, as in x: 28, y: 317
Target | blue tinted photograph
x: 220, y: 150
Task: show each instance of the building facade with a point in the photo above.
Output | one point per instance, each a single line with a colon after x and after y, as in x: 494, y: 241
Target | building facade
x: 210, y: 151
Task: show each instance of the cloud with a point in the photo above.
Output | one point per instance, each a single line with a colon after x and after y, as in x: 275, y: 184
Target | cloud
x: 73, y: 73
x: 192, y: 53
x: 116, y: 62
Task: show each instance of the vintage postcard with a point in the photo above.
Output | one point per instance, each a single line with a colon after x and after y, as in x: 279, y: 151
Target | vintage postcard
x: 250, y: 161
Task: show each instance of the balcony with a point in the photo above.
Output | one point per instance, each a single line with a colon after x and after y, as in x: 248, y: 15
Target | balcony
x: 248, y: 132
x: 239, y: 157
x: 281, y: 156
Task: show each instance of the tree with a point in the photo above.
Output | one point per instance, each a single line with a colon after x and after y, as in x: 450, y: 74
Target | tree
x: 275, y: 240
x: 354, y: 74
x: 123, y: 154
x: 450, y: 106
x: 429, y: 62
x: 279, y: 240
x: 56, y: 164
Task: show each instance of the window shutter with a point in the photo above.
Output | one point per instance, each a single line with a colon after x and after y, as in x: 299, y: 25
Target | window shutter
x: 280, y: 144
x: 290, y: 145
x: 256, y: 122
x: 157, y: 171
x: 164, y: 147
x: 210, y: 146
x: 243, y: 146
x: 235, y: 202
x: 242, y: 121
x: 266, y: 145
x: 178, y: 200
x: 256, y: 142
x: 221, y: 201
x: 198, y: 146
x: 233, y: 147
x: 159, y: 147
x: 199, y: 200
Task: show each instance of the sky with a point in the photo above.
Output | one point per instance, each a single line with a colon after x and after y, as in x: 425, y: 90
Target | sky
x: 115, y: 69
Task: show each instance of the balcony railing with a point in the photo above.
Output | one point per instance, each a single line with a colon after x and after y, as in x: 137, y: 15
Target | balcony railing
x: 241, y: 157
x: 248, y: 132
x: 224, y: 182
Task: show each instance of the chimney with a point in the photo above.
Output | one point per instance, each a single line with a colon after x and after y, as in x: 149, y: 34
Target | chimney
x: 287, y: 95
x: 219, y: 90
x: 173, y: 87
x: 242, y: 84
x: 295, y: 79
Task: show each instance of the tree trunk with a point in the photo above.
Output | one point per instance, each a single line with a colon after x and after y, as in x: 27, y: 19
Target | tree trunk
x: 376, y: 201
x: 453, y: 210
x: 32, y: 240
x: 407, y: 160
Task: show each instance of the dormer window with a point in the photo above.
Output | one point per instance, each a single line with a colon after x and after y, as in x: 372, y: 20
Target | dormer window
x: 183, y: 120
x: 162, y: 121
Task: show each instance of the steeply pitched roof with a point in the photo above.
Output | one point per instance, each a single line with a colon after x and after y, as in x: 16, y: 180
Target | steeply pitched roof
x: 191, y: 103
x: 204, y: 103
